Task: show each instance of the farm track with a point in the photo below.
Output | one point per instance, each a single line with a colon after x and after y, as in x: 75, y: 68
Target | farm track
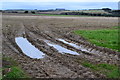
x: 96, y: 54
x: 54, y: 64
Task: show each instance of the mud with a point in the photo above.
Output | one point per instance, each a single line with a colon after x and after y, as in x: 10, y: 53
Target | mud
x: 58, y: 62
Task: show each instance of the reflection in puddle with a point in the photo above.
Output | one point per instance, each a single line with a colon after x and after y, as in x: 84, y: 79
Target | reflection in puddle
x: 61, y: 49
x: 74, y: 45
x: 28, y: 48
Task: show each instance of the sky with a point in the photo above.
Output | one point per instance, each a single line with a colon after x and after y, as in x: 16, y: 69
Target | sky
x: 53, y: 4
x: 60, y: 0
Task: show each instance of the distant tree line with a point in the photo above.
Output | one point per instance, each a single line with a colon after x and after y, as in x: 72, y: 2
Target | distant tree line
x: 33, y: 12
x: 112, y: 14
x: 109, y: 12
x: 26, y: 12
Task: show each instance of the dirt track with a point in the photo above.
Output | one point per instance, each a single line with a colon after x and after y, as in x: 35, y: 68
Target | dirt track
x: 37, y: 29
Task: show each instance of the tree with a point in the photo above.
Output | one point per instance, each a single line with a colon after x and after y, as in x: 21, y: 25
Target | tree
x: 33, y: 12
x: 106, y: 9
x: 26, y: 12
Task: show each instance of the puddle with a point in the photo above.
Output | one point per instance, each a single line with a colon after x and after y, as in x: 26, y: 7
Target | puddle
x: 74, y: 45
x: 61, y: 49
x: 28, y: 49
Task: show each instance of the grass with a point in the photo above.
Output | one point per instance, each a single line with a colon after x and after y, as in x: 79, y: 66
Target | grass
x: 115, y: 27
x: 0, y: 73
x: 11, y: 61
x: 104, y: 37
x: 16, y: 71
x: 111, y: 71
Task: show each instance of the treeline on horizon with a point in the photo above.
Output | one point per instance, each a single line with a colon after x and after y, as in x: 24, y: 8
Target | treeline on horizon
x: 112, y: 14
x: 109, y: 12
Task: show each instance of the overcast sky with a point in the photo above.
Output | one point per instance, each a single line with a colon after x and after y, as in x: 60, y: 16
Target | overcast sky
x: 60, y: 0
x: 52, y: 4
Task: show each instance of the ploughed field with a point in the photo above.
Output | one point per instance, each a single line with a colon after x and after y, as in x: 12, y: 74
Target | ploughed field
x: 46, y: 47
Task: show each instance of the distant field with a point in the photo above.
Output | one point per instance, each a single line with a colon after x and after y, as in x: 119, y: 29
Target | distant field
x: 76, y: 13
x: 85, y: 11
x: 94, y: 11
x: 61, y: 15
x: 98, y: 12
x: 105, y: 37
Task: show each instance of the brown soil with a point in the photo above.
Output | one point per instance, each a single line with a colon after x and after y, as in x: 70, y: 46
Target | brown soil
x: 54, y: 65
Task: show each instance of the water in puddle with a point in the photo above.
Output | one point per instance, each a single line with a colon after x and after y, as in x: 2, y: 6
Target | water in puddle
x: 28, y: 48
x: 74, y: 45
x: 61, y: 49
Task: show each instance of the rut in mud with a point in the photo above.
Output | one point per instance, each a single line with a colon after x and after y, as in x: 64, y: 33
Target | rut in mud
x: 52, y: 51
x: 28, y: 49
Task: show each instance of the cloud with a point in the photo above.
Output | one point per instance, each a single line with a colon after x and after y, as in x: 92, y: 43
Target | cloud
x: 53, y: 5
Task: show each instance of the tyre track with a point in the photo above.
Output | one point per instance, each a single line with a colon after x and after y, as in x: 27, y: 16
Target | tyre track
x: 95, y: 58
x: 69, y: 63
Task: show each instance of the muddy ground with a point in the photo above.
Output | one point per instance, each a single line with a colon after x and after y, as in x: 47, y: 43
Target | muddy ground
x: 38, y: 29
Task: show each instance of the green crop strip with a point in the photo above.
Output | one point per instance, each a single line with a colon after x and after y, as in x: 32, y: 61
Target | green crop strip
x: 111, y: 71
x: 105, y: 38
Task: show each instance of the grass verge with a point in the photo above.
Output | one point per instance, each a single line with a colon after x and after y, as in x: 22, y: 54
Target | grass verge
x: 105, y: 37
x: 15, y: 70
x: 111, y: 71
